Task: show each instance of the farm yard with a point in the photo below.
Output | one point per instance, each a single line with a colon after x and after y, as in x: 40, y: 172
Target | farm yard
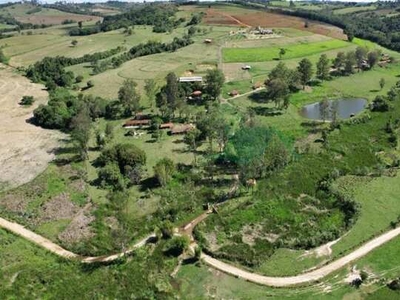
x: 148, y: 130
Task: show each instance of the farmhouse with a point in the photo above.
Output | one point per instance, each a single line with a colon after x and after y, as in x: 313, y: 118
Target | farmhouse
x: 167, y: 126
x: 191, y: 79
x: 137, y: 123
x: 181, y: 129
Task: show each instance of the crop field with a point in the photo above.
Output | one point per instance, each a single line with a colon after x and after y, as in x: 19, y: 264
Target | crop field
x: 272, y: 53
x: 27, y: 13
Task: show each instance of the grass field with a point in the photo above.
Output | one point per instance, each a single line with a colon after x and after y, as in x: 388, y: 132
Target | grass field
x: 272, y: 53
x: 354, y: 9
x: 28, y: 13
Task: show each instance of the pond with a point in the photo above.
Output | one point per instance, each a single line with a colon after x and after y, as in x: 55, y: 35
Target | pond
x: 325, y: 110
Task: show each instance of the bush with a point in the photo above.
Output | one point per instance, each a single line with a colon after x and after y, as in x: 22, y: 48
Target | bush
x: 176, y: 246
x: 27, y: 100
x: 79, y: 79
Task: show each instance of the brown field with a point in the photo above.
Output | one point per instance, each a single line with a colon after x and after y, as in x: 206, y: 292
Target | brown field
x: 56, y: 19
x: 270, y: 20
x: 25, y: 149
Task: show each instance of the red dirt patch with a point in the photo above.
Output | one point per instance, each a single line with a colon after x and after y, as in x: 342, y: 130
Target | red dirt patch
x: 214, y: 17
x: 266, y: 19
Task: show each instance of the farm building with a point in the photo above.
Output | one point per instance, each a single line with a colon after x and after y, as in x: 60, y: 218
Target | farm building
x: 167, y: 126
x: 137, y: 123
x: 191, y: 79
x: 208, y: 41
x: 181, y: 129
x: 246, y: 67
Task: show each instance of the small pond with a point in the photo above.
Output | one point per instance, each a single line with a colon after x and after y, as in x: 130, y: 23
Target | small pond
x: 345, y: 108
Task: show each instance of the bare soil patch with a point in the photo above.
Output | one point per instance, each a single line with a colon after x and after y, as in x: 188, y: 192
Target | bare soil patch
x: 25, y: 149
x: 58, y: 208
x: 79, y: 228
x: 214, y: 17
x: 271, y: 20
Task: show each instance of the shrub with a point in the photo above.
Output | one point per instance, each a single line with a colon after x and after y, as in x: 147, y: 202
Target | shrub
x: 27, y: 100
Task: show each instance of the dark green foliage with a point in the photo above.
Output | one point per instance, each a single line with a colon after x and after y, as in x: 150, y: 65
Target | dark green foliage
x: 176, y: 245
x: 27, y: 100
x: 163, y: 171
x: 305, y: 70
x: 63, y: 106
x: 51, y: 69
x: 3, y: 58
x: 214, y: 81
x: 196, y: 19
x: 379, y: 104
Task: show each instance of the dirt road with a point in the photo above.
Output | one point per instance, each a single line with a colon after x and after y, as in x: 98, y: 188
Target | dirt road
x: 56, y: 249
x: 306, y: 277
x: 252, y: 277
x: 25, y: 149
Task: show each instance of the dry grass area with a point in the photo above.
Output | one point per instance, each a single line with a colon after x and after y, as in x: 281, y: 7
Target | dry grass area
x: 56, y: 19
x: 25, y: 149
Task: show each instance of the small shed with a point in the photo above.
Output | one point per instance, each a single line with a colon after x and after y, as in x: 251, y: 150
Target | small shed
x: 191, y: 79
x: 234, y: 93
x: 246, y: 67
x: 166, y: 126
x: 208, y: 41
x: 181, y: 129
x: 137, y: 123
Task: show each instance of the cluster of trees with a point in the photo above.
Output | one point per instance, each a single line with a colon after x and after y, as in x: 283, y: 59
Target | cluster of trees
x: 172, y: 96
x: 128, y: 101
x: 122, y: 164
x: 149, y: 48
x: 160, y: 16
x: 370, y: 26
x: 51, y: 70
x: 63, y: 107
x: 382, y: 103
x: 282, y: 81
x: 258, y: 151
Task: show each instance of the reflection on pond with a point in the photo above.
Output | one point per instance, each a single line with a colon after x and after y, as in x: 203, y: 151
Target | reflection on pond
x: 333, y: 109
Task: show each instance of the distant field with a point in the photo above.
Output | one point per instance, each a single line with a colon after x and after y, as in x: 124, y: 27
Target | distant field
x: 272, y: 53
x: 27, y: 13
x: 349, y: 10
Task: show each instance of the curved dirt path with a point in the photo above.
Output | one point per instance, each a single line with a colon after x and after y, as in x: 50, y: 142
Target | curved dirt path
x: 217, y: 264
x: 58, y: 250
x: 306, y: 277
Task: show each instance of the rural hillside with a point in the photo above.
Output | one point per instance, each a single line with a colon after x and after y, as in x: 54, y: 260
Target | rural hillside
x: 200, y: 150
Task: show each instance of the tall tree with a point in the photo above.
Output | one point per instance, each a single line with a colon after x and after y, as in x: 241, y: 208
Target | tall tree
x: 350, y: 62
x: 361, y: 55
x: 340, y: 60
x: 150, y: 88
x: 277, y: 91
x: 323, y: 67
x: 171, y: 91
x: 80, y: 134
x: 129, y: 97
x: 372, y: 57
x: 306, y: 71
x: 382, y: 83
x: 192, y: 140
x: 214, y: 81
x: 163, y: 170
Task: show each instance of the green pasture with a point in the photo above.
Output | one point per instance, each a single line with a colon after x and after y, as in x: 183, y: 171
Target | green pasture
x: 272, y: 53
x: 354, y: 9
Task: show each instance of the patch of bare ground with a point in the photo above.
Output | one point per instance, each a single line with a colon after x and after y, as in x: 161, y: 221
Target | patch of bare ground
x: 59, y: 207
x: 25, y: 149
x: 14, y: 203
x: 79, y: 229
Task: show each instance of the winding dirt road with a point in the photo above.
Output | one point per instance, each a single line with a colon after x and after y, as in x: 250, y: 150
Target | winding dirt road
x: 224, y: 267
x: 56, y: 249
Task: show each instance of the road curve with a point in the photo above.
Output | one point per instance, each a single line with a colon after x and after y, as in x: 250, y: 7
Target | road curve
x: 217, y: 264
x: 306, y: 277
x: 56, y: 249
